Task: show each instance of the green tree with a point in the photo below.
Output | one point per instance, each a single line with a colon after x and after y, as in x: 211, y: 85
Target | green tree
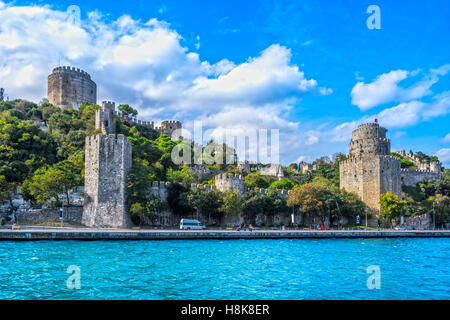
x: 251, y: 206
x: 256, y: 180
x: 284, y: 184
x: 390, y: 207
x: 207, y: 203
x: 127, y: 111
x: 232, y: 203
x: 272, y: 203
x: 177, y: 198
x: 183, y: 176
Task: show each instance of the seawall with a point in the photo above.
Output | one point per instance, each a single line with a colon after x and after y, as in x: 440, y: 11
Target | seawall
x: 122, y: 234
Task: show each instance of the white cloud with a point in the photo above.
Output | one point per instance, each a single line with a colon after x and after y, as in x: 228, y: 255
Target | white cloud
x: 382, y: 90
x: 401, y: 116
x: 441, y: 106
x: 444, y: 155
x: 446, y: 138
x: 385, y: 88
x: 147, y: 65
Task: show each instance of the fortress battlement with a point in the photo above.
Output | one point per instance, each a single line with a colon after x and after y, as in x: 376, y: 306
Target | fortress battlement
x: 67, y: 69
x: 205, y: 187
x: 171, y: 122
x: 370, y: 124
x: 229, y: 176
x: 416, y: 171
x: 109, y: 138
x: 70, y: 87
x: 109, y: 105
x: 387, y: 157
x: 230, y: 181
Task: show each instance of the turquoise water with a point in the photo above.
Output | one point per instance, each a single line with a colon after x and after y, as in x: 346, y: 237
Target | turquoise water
x: 235, y: 269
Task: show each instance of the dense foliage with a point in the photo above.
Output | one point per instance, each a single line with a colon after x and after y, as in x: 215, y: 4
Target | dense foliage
x: 42, y: 156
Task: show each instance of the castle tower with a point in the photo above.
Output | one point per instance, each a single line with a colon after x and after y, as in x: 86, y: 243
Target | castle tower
x: 370, y: 170
x: 435, y: 166
x: 169, y: 126
x: 104, y: 117
x: 107, y: 162
x: 2, y: 91
x: 230, y: 181
x: 69, y: 87
x: 369, y: 139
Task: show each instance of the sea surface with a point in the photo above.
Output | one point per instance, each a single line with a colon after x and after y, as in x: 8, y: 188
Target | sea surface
x: 234, y: 269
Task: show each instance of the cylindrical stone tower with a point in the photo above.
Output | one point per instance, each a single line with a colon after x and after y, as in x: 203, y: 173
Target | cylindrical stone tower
x: 69, y: 87
x: 369, y: 139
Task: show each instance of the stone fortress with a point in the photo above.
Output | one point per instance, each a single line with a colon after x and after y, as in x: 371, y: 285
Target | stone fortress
x: 370, y: 170
x: 106, y: 115
x: 70, y: 87
x: 108, y: 157
x: 230, y: 181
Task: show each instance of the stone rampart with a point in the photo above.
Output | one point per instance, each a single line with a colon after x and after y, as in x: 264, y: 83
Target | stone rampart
x: 411, y: 177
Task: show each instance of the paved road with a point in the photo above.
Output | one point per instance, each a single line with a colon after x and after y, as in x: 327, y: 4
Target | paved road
x: 82, y: 233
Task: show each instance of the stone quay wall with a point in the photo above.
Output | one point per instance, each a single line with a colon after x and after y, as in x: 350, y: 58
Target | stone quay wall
x: 89, y: 235
x: 71, y: 215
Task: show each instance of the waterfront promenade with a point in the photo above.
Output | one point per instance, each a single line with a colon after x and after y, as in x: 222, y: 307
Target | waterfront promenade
x: 80, y: 233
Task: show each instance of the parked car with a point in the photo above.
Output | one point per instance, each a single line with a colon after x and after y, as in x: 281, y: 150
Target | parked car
x: 400, y: 228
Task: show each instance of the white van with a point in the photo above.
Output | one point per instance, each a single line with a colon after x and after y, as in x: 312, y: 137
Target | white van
x: 186, y: 224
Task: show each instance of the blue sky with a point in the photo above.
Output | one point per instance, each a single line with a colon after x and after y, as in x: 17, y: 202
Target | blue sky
x: 292, y: 65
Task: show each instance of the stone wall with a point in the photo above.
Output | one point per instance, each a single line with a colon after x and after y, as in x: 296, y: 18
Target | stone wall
x: 108, y: 159
x: 423, y: 222
x: 159, y: 190
x: 69, y: 87
x: 229, y: 181
x: 71, y: 215
x: 412, y: 177
x: 369, y: 177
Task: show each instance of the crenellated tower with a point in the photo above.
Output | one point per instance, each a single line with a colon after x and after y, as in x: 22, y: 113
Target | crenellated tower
x: 370, y: 170
x: 369, y: 139
x: 107, y: 162
x: 104, y: 117
x: 230, y: 181
x: 70, y: 87
x: 168, y: 127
